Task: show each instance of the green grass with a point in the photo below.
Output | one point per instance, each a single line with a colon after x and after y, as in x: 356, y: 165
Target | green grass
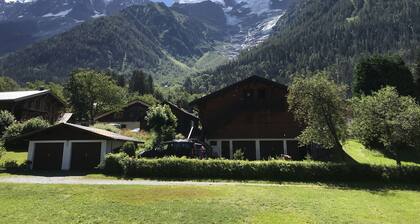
x: 20, y: 157
x: 366, y: 156
x: 212, y: 204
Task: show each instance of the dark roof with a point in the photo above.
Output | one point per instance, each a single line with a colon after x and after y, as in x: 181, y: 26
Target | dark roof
x: 182, y: 110
x: 124, y: 107
x: 16, y: 96
x: 99, y: 133
x: 251, y: 79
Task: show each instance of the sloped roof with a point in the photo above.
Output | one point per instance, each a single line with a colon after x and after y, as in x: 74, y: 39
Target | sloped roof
x: 251, y: 79
x: 16, y: 96
x: 105, y: 133
x: 182, y: 110
x: 124, y: 107
x: 20, y: 95
x: 61, y: 127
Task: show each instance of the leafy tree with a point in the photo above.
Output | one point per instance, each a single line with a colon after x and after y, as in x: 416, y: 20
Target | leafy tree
x: 91, y: 92
x: 8, y: 84
x: 19, y: 128
x: 141, y: 83
x: 55, y: 88
x: 6, y: 119
x: 163, y: 122
x: 118, y: 78
x: 376, y: 72
x: 388, y: 118
x: 320, y: 105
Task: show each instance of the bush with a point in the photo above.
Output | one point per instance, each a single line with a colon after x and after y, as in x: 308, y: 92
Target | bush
x: 129, y: 148
x: 272, y: 170
x: 11, y: 165
x: 6, y: 119
x: 20, y: 128
x: 238, y: 155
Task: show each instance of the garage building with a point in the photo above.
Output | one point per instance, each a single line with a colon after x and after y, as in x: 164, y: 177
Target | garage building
x: 68, y: 146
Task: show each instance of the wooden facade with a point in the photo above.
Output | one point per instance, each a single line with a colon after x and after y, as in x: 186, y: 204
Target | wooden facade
x: 251, y: 115
x: 133, y: 116
x: 30, y: 104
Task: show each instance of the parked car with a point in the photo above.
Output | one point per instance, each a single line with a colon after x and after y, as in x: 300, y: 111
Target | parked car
x: 190, y: 148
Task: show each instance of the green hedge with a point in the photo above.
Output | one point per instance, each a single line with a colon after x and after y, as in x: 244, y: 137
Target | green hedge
x: 120, y: 164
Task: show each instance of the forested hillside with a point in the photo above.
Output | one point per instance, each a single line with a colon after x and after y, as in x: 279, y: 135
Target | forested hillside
x: 152, y: 37
x: 326, y: 34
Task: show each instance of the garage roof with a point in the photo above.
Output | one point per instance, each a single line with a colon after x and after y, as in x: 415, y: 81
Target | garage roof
x: 68, y: 131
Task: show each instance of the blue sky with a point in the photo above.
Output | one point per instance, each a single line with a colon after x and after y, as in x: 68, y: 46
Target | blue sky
x: 167, y: 2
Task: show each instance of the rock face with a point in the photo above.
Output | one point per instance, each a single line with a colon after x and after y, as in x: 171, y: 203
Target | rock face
x: 247, y: 22
x: 25, y: 21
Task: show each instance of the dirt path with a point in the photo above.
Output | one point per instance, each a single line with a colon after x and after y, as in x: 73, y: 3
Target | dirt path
x: 86, y: 181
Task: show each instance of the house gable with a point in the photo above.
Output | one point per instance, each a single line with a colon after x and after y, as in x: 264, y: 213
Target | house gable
x: 255, y: 108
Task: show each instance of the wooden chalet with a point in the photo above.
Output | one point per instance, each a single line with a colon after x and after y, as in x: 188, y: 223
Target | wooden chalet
x: 132, y: 116
x: 250, y: 115
x: 25, y: 105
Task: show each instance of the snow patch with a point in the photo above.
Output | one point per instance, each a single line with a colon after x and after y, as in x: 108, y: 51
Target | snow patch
x: 20, y: 1
x: 59, y: 14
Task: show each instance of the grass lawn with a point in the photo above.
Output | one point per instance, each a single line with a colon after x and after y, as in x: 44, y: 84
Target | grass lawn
x: 365, y: 156
x: 19, y: 157
x: 296, y: 203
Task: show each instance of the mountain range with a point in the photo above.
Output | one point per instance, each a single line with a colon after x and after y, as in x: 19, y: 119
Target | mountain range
x: 215, y: 42
x: 165, y: 41
x: 330, y: 35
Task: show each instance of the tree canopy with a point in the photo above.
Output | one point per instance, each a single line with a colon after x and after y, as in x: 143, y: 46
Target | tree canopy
x: 387, y: 118
x: 375, y: 72
x: 8, y: 84
x: 91, y: 92
x: 163, y: 122
x: 320, y: 105
x: 141, y: 83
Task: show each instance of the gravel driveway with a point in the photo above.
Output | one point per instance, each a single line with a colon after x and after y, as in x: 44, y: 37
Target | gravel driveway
x: 86, y: 181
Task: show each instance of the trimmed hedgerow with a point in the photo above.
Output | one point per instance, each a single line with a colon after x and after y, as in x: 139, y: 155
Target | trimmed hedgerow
x: 121, y: 164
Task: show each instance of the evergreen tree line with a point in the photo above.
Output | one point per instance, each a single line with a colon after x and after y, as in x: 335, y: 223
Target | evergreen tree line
x: 330, y: 35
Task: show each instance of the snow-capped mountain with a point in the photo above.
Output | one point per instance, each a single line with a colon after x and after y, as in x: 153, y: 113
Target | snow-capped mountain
x: 248, y: 22
x: 26, y: 21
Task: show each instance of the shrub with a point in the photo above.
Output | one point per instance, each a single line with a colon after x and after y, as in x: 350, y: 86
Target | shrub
x: 20, y: 128
x: 238, y: 155
x: 257, y: 170
x: 6, y: 119
x: 11, y: 165
x: 129, y: 148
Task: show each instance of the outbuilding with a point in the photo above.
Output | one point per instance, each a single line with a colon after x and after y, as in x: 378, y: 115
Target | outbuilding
x: 68, y: 146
